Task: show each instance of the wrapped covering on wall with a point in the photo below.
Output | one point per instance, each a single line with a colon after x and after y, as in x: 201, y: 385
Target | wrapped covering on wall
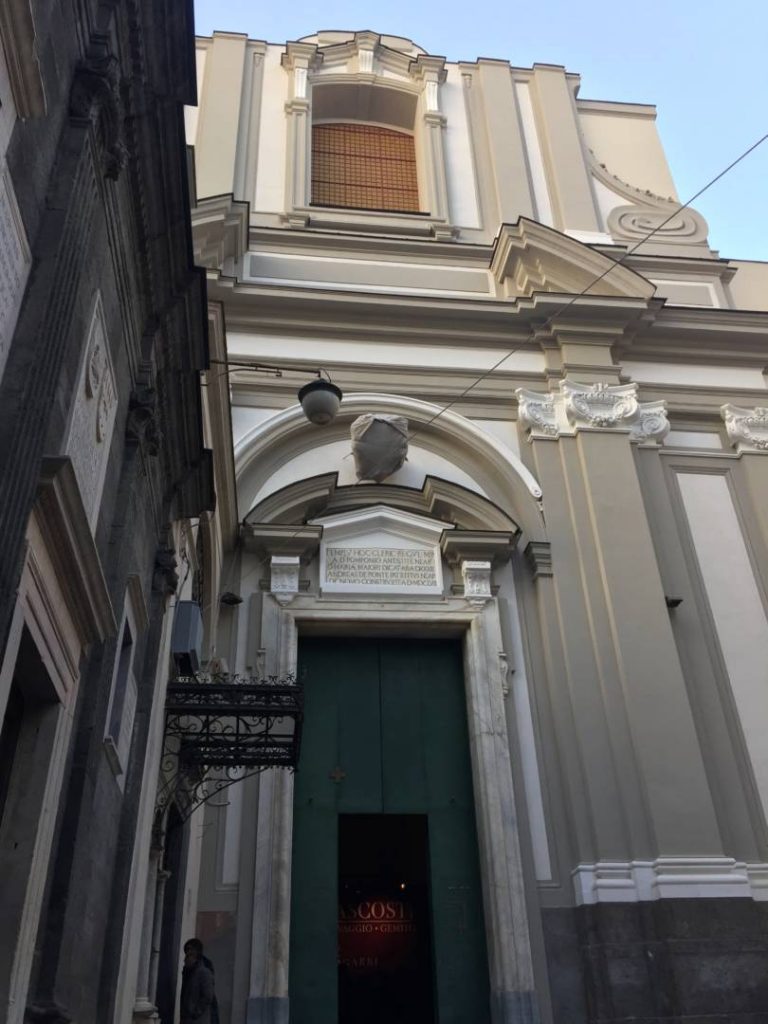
x: 379, y: 445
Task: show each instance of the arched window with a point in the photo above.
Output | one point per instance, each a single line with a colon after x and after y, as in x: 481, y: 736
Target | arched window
x: 364, y: 167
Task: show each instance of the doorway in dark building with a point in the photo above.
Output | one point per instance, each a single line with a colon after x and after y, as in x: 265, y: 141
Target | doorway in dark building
x: 383, y: 797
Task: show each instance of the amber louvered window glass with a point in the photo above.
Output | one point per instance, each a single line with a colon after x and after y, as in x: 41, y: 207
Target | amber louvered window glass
x: 365, y: 167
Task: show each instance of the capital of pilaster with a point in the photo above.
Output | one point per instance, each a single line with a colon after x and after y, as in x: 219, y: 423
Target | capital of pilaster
x: 747, y: 428
x: 428, y: 68
x: 597, y: 406
x: 651, y: 424
x: 299, y: 58
x: 538, y: 412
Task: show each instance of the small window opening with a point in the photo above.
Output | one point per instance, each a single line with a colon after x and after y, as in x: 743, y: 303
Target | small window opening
x: 364, y: 167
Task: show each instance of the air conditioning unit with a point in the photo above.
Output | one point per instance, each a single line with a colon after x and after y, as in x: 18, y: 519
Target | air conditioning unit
x: 187, y: 637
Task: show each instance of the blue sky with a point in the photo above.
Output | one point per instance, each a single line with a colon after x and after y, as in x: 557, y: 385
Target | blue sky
x: 703, y: 63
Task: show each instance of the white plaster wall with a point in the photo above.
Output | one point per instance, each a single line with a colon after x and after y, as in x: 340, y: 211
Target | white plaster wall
x: 694, y: 439
x: 464, y: 209
x: 336, y: 457
x: 737, y: 607
x: 503, y: 430
x: 629, y: 146
x: 692, y: 373
x: 232, y: 817
x: 686, y: 293
x: 360, y: 352
x: 533, y: 152
x: 191, y: 114
x: 244, y: 418
x: 749, y: 287
x: 333, y: 272
x: 607, y: 200
x: 272, y: 150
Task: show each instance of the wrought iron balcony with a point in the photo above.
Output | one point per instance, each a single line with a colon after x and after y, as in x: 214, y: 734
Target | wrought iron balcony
x: 222, y: 728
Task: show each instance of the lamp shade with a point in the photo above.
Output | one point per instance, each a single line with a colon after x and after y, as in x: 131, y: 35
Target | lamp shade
x: 320, y: 401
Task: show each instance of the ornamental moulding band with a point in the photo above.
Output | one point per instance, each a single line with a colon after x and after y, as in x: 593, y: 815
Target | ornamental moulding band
x: 669, y: 878
x: 747, y: 428
x: 592, y: 407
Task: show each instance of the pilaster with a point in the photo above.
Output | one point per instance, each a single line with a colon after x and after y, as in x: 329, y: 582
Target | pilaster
x: 219, y: 120
x: 554, y: 106
x: 643, y: 773
x: 430, y: 71
x: 297, y: 61
x: 505, y: 141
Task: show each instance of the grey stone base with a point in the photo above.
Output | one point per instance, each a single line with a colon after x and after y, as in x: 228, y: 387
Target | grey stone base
x: 514, y: 1008
x: 664, y: 962
x: 267, y: 1010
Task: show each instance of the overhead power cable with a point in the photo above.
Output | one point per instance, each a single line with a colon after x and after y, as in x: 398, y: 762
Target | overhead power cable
x: 558, y: 312
x: 614, y: 263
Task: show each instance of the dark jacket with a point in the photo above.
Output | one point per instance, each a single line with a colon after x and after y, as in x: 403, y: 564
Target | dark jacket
x: 215, y: 1003
x: 196, y: 994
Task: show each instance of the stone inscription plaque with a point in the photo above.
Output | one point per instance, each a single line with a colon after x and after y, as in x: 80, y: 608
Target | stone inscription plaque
x: 390, y: 567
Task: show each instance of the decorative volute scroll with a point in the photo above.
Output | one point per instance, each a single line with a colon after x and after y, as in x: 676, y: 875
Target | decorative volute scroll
x: 537, y: 412
x: 747, y: 428
x: 592, y: 407
x: 96, y: 96
x: 648, y: 212
x: 634, y: 223
x: 652, y: 423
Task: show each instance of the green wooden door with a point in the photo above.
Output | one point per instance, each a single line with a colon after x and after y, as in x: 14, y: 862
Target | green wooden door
x: 385, y: 733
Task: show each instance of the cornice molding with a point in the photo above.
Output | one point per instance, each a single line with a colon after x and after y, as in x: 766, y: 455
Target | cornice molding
x: 219, y: 231
x: 529, y: 257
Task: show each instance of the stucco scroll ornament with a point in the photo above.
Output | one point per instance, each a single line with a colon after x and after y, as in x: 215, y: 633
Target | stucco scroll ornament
x: 635, y: 222
x: 600, y: 405
x: 537, y: 413
x: 651, y: 423
x: 747, y: 428
x: 284, y: 577
x: 96, y: 97
x: 141, y: 425
x: 477, y: 581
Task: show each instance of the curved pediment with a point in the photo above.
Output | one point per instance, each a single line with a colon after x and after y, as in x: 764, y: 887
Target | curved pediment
x: 499, y: 474
x: 529, y: 257
x: 442, y: 500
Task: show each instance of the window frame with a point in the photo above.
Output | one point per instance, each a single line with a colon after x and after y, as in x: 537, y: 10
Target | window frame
x: 421, y: 78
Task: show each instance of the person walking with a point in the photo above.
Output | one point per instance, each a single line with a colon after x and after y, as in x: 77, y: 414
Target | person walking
x: 197, y: 986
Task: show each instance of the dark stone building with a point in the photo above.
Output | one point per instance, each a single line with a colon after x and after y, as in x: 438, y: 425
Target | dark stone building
x: 103, y: 467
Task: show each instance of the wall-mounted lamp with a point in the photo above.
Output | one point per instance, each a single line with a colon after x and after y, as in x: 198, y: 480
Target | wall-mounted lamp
x: 320, y: 400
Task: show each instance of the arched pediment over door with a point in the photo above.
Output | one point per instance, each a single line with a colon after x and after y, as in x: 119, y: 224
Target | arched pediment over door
x: 287, y: 468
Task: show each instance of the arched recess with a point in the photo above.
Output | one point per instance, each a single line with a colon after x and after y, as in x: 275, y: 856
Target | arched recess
x: 501, y: 474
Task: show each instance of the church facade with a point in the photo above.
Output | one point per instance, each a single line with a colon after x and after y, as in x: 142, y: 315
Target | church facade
x: 533, y: 782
